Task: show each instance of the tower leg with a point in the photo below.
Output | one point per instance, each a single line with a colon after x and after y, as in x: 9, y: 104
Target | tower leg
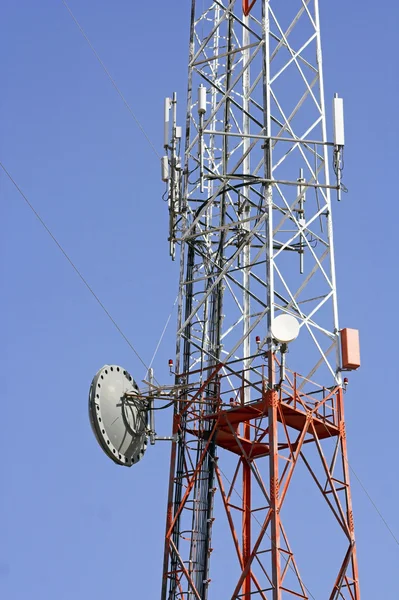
x: 274, y: 494
x: 246, y: 520
x: 345, y: 469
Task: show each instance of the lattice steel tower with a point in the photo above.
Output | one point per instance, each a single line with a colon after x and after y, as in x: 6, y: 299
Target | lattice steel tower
x: 259, y: 352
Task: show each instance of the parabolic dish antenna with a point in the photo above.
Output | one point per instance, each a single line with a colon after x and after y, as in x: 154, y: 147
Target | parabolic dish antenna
x: 118, y: 422
x: 285, y: 328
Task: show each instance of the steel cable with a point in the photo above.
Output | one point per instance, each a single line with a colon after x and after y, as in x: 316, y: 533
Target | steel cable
x: 39, y: 218
x: 78, y: 25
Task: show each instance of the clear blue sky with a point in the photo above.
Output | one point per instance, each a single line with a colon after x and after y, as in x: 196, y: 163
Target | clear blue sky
x: 72, y: 524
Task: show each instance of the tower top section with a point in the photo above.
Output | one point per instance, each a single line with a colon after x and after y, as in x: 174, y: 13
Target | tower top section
x: 250, y: 192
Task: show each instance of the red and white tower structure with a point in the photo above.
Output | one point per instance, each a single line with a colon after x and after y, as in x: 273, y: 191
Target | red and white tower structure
x: 259, y: 386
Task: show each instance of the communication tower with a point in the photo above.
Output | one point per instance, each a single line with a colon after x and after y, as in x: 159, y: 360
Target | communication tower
x: 258, y: 386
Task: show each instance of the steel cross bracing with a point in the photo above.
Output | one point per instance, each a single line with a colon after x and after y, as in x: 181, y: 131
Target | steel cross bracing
x: 251, y: 211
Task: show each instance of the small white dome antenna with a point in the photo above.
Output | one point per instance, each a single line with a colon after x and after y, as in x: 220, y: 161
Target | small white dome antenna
x: 284, y: 330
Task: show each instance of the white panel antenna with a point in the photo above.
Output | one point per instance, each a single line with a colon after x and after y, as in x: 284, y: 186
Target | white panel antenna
x: 165, y: 168
x: 338, y: 120
x: 166, y: 122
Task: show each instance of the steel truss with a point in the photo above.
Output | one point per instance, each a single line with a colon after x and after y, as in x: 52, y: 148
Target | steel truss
x: 251, y: 211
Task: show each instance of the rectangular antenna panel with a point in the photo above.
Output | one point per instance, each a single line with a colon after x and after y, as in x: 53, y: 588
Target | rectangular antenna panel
x: 338, y: 118
x: 166, y: 122
x: 350, y: 347
x: 165, y: 168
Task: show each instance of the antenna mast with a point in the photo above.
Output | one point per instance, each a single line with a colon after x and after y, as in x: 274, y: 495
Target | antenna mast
x: 250, y: 209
